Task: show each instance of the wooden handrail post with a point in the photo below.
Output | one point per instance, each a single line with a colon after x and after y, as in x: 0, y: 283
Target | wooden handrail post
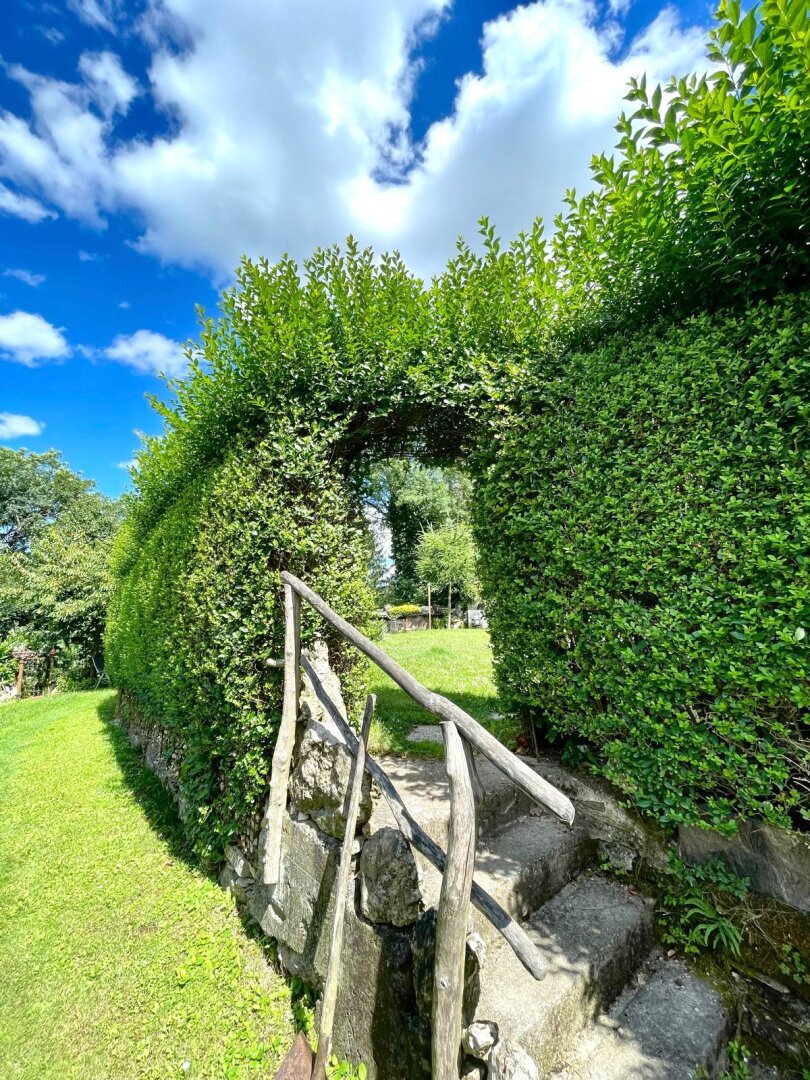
x: 285, y: 742
x: 341, y: 884
x: 454, y: 911
x: 20, y: 674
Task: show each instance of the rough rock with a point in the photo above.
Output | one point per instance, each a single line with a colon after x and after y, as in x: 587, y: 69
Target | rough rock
x: 381, y: 1027
x: 508, y: 1061
x: 479, y: 1038
x: 473, y: 1070
x: 240, y: 888
x: 424, y: 947
x: 238, y: 863
x: 389, y: 879
x: 320, y: 779
x: 426, y: 733
x: 775, y: 861
x: 310, y: 705
x: 600, y: 811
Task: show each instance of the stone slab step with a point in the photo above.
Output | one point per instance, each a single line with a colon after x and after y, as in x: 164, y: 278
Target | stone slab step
x: 521, y: 866
x: 593, y: 934
x: 672, y: 1025
x: 528, y: 862
x: 422, y: 784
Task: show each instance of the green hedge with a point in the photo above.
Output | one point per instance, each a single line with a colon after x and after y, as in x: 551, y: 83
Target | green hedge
x: 198, y: 612
x: 645, y: 528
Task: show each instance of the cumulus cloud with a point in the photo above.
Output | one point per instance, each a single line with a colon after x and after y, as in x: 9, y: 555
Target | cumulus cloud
x: 288, y: 126
x: 14, y: 426
x: 147, y: 352
x: 26, y: 339
x: 26, y: 277
x: 23, y: 206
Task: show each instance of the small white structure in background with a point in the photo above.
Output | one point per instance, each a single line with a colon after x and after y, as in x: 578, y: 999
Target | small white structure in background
x: 477, y: 619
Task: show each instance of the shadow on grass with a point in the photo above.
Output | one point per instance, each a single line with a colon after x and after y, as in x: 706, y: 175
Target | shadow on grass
x: 160, y: 809
x: 156, y: 801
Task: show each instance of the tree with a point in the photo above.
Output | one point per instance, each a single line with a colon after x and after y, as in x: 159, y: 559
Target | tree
x: 414, y: 498
x: 34, y: 490
x: 56, y: 534
x: 447, y: 558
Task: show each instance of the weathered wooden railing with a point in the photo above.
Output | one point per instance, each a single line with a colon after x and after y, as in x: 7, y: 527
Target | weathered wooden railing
x: 461, y: 734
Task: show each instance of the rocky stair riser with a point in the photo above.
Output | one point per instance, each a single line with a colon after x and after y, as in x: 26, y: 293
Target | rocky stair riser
x: 670, y: 1027
x: 594, y: 935
x: 552, y: 1045
x: 530, y: 885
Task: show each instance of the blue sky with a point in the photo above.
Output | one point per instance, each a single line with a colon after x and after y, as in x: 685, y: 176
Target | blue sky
x: 145, y: 146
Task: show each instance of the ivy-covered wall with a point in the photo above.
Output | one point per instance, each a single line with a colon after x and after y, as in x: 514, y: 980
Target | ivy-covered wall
x: 645, y: 529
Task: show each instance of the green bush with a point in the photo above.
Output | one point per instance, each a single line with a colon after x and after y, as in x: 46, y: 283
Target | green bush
x: 198, y: 613
x: 399, y: 611
x: 641, y: 504
x: 645, y: 530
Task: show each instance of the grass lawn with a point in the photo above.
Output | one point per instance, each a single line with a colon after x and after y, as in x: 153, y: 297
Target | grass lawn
x: 118, y: 957
x: 455, y: 663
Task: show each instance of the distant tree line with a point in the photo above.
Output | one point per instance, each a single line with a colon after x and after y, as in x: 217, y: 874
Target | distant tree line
x: 56, y: 532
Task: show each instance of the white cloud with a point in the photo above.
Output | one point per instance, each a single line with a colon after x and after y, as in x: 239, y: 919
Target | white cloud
x: 26, y: 277
x: 98, y: 13
x: 23, y: 206
x: 14, y: 426
x: 111, y: 87
x: 51, y: 34
x: 147, y: 352
x: 27, y: 338
x: 288, y: 125
x: 88, y: 256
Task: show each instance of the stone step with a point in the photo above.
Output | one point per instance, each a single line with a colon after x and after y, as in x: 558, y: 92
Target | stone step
x: 667, y: 1028
x: 593, y: 934
x: 521, y: 867
x: 422, y: 784
x: 527, y: 863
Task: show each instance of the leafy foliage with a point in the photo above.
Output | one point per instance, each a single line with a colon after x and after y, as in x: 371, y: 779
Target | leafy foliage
x: 201, y: 612
x: 412, y: 499
x: 34, y: 490
x: 644, y: 529
x: 641, y: 486
x: 700, y: 905
x: 55, y: 580
x: 447, y: 558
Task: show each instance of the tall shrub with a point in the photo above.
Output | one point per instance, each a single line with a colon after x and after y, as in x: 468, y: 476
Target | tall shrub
x: 646, y: 536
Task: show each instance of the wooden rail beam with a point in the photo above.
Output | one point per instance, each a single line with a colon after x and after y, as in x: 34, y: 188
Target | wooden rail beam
x: 341, y: 884
x: 484, y: 742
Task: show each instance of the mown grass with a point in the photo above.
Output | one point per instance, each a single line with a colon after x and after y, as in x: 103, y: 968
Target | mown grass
x: 119, y: 958
x: 456, y: 663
